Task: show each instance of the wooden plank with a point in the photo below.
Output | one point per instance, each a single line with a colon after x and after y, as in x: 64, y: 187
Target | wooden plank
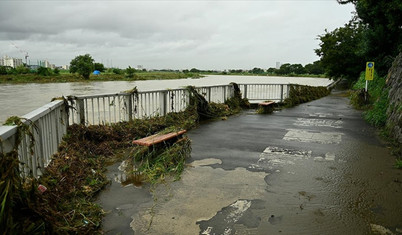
x: 157, y: 138
x: 266, y: 103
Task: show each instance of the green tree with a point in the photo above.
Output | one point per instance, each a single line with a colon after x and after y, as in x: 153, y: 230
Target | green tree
x: 340, y: 51
x: 314, y: 68
x: 271, y: 70
x: 130, y: 72
x: 100, y: 67
x: 117, y: 71
x: 383, y: 35
x: 22, y: 69
x: 43, y: 71
x: 3, y: 70
x: 284, y: 69
x: 257, y: 71
x: 83, y: 65
x: 56, y: 71
x: 297, y: 69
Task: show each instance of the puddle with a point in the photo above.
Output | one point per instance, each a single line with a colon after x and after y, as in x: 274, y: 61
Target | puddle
x: 127, y: 179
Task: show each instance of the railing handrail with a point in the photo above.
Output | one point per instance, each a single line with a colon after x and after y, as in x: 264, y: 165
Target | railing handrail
x: 7, y: 131
x: 51, y: 120
x: 264, y: 84
x: 45, y: 109
x: 139, y: 92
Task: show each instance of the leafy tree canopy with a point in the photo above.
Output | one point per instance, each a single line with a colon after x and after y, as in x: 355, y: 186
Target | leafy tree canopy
x: 100, y: 67
x: 83, y: 65
x: 381, y: 32
x: 339, y: 51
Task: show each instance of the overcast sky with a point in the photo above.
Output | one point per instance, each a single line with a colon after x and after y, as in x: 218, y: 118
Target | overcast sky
x: 169, y: 34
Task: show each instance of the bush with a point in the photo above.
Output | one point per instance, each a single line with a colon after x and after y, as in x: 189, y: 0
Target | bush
x: 117, y: 71
x: 377, y: 103
x: 130, y: 72
x: 44, y: 71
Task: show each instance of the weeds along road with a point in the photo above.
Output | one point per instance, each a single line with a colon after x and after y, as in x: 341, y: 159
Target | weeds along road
x: 317, y: 168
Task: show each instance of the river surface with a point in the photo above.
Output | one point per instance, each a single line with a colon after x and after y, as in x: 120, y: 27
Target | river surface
x: 20, y: 99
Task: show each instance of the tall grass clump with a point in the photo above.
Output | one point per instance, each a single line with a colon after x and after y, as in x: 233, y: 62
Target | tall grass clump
x: 375, y: 107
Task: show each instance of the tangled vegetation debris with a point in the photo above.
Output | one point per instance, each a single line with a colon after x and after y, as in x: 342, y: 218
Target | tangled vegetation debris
x: 299, y: 94
x: 61, y: 201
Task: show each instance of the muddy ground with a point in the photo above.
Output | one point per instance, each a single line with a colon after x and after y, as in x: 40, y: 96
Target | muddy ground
x: 317, y: 168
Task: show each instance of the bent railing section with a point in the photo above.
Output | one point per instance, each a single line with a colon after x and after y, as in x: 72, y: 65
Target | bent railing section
x: 49, y: 123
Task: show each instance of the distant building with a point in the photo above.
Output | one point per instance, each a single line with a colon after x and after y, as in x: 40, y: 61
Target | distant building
x: 278, y: 65
x: 46, y: 64
x: 65, y: 67
x: 11, y: 62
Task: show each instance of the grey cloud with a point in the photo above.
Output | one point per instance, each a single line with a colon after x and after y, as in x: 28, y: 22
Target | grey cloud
x: 215, y: 34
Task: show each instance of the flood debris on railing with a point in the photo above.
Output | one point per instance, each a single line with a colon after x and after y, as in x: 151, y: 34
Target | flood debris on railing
x: 77, y: 171
x: 299, y: 94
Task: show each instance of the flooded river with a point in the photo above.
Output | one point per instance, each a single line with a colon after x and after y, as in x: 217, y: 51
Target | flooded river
x: 20, y: 99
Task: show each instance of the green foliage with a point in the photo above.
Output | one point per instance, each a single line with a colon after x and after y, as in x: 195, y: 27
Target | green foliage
x: 83, y: 65
x: 56, y: 71
x: 130, y: 72
x: 299, y: 94
x: 3, y: 70
x: 100, y: 67
x: 379, y: 38
x: 44, y: 71
x: 314, y: 68
x: 22, y: 69
x: 340, y: 51
x: 377, y: 104
x: 383, y: 32
x: 117, y: 71
x: 157, y: 162
x: 257, y: 71
x: 398, y: 164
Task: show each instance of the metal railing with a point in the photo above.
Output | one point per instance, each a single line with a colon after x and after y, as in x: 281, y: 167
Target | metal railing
x: 49, y: 123
x: 113, y: 108
x: 259, y: 92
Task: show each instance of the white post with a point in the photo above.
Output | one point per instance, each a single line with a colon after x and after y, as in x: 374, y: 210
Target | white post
x: 366, y: 85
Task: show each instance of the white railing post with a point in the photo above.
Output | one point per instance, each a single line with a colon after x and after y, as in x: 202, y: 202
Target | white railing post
x: 81, y: 110
x: 164, y: 103
x: 129, y: 107
x: 245, y: 91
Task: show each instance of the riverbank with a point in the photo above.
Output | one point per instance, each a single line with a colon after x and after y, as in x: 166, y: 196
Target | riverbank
x: 67, y: 77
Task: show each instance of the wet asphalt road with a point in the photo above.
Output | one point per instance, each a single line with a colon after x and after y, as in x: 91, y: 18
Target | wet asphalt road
x: 317, y: 168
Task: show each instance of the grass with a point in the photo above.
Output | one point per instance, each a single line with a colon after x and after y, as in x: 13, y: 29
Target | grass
x: 398, y: 164
x: 67, y: 77
x: 375, y: 108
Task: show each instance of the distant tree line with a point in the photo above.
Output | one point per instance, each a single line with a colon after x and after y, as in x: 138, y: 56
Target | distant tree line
x: 23, y: 69
x: 373, y: 34
x: 285, y: 69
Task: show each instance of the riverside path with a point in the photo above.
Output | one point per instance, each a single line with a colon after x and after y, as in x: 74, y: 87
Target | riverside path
x: 317, y: 168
